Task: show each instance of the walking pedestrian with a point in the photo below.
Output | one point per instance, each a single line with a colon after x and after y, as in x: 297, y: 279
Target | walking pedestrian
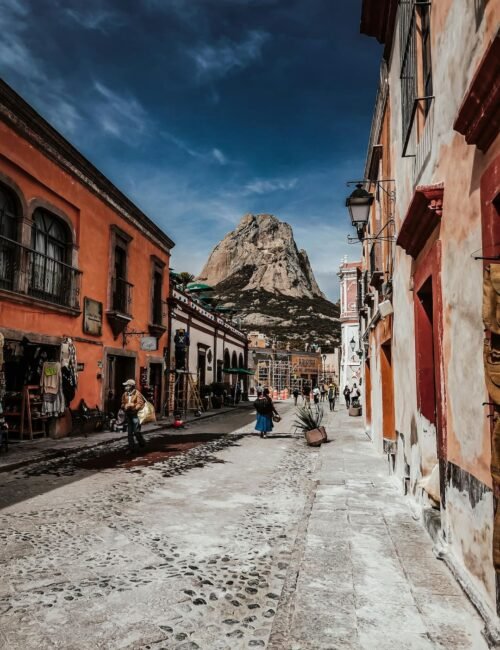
x: 265, y: 411
x: 347, y: 396
x: 306, y: 393
x: 324, y: 391
x: 132, y: 403
x: 355, y: 393
x: 295, y: 394
x: 331, y: 397
x: 316, y: 393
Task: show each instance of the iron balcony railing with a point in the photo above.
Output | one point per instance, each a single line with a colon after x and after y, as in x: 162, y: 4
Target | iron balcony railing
x: 122, y: 296
x: 26, y: 271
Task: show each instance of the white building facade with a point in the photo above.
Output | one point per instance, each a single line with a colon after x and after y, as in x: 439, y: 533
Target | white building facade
x: 350, y: 366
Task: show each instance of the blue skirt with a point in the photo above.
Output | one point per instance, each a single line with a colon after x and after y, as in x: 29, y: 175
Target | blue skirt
x: 264, y: 423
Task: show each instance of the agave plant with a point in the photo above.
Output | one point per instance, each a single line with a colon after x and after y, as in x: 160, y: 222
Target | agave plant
x: 306, y: 419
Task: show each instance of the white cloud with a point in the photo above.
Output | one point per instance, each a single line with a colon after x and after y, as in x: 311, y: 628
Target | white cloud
x: 18, y: 62
x: 217, y: 61
x: 14, y: 54
x: 118, y: 115
x: 266, y: 186
x: 219, y: 156
x: 215, y: 155
x: 99, y: 20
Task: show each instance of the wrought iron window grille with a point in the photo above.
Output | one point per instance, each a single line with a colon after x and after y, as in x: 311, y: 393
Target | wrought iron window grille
x: 411, y: 86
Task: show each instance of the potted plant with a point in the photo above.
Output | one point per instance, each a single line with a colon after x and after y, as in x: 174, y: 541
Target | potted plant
x: 355, y: 408
x: 309, y: 422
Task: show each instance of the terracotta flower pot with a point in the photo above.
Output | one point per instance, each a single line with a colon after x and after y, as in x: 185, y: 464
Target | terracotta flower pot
x: 314, y: 437
x: 323, y: 431
x: 355, y: 411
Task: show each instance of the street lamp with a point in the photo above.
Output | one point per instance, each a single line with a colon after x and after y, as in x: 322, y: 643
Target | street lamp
x: 352, y: 343
x: 359, y: 204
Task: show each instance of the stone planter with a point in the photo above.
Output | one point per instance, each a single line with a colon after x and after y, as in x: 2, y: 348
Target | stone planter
x: 355, y: 411
x: 314, y: 437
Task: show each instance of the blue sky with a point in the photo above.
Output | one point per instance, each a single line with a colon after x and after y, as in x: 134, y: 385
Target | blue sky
x: 204, y: 110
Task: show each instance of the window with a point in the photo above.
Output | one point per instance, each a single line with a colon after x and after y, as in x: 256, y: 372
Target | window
x: 156, y: 291
x: 227, y: 359
x: 241, y: 363
x: 121, y: 289
x: 50, y: 273
x: 9, y: 215
x: 234, y: 361
x: 415, y: 67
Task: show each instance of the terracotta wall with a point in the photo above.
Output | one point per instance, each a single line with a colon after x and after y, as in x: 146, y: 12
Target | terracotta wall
x: 39, y: 179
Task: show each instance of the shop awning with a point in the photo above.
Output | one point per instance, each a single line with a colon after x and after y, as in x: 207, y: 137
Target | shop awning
x: 199, y: 286
x: 238, y: 371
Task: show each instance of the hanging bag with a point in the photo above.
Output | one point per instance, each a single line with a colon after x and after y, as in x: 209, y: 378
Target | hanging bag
x: 147, y: 413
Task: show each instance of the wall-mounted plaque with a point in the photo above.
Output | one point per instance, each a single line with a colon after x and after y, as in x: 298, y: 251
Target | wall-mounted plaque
x: 149, y: 343
x: 92, y: 317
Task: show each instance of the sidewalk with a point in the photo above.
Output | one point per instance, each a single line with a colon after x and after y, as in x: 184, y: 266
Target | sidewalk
x: 29, y: 452
x: 364, y: 575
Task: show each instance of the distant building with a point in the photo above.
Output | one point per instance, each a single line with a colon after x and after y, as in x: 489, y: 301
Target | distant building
x: 204, y: 345
x: 350, y: 365
x: 258, y: 340
x: 284, y: 369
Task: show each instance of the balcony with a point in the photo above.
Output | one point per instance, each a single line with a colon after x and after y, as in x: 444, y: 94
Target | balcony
x: 120, y: 313
x: 159, y: 312
x: 29, y: 273
x: 121, y: 296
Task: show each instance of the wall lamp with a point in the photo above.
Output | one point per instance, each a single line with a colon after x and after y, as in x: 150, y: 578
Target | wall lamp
x: 359, y: 203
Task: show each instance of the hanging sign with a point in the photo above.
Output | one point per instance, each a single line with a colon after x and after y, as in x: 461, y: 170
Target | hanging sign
x: 149, y: 343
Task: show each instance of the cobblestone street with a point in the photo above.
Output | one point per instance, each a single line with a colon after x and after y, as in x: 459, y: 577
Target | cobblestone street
x: 236, y: 543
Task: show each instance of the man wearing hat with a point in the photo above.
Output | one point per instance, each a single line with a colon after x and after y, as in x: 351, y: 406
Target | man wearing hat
x: 132, y: 403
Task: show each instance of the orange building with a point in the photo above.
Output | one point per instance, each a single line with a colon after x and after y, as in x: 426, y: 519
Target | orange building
x: 77, y: 259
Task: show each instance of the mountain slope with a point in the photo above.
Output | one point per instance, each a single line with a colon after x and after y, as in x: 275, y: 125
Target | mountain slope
x: 258, y: 270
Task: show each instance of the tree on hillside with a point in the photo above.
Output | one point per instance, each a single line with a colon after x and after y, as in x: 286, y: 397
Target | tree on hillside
x: 185, y: 278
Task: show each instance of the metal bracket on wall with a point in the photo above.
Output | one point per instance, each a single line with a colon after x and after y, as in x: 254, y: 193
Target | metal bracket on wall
x: 127, y: 333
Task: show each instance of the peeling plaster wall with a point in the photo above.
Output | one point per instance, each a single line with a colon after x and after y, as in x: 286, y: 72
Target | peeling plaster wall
x: 458, y: 45
x: 469, y: 532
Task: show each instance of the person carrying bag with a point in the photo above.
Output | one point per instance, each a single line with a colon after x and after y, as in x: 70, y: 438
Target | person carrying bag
x: 266, y: 412
x: 134, y: 403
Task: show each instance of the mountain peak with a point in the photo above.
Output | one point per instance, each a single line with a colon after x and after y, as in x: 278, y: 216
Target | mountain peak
x: 261, y: 253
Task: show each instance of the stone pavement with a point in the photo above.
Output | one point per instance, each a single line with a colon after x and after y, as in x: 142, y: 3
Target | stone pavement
x: 29, y: 452
x: 364, y: 574
x: 238, y: 543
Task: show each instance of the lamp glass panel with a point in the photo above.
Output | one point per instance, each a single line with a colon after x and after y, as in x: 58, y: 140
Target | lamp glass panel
x: 360, y: 211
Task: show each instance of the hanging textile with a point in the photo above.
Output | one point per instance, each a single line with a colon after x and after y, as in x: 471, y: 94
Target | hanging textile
x: 51, y: 387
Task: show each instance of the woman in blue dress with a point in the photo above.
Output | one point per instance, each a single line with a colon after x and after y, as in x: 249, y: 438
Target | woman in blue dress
x: 265, y: 410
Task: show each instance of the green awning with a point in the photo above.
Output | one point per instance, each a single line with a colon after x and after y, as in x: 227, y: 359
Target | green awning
x: 198, y: 286
x: 238, y: 371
